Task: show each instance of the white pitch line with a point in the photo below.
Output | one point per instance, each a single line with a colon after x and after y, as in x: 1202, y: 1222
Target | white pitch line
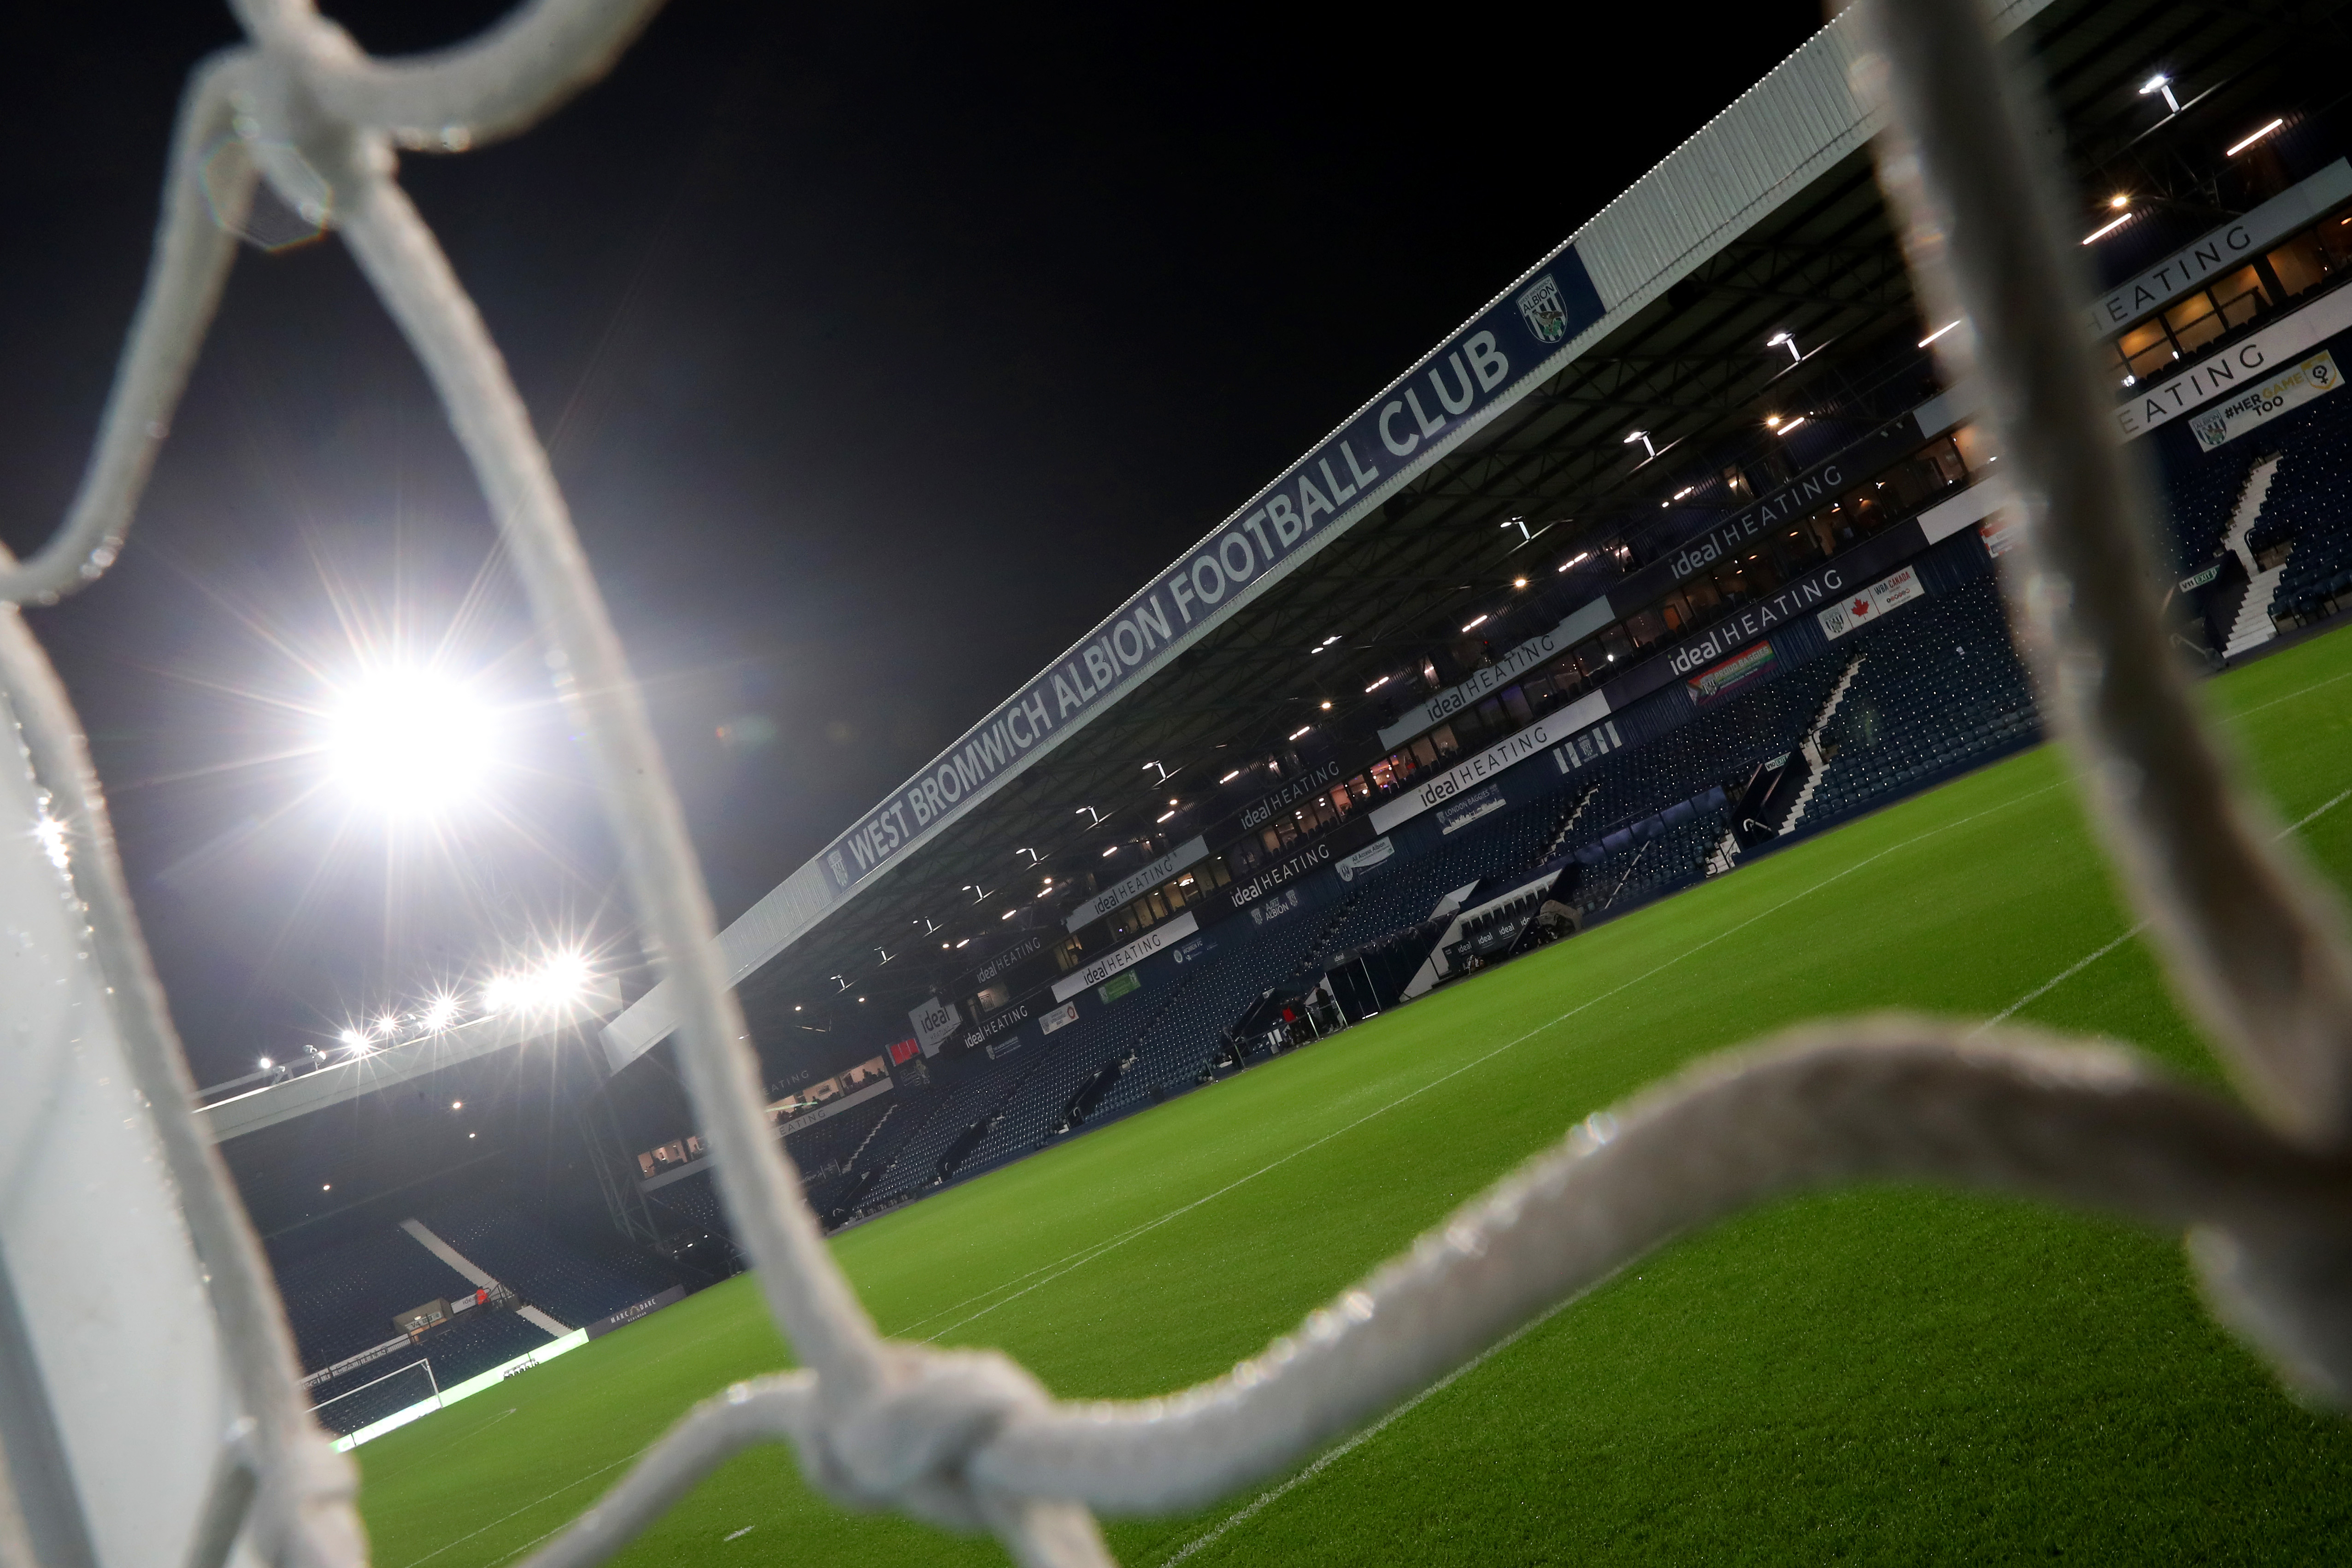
x: 740, y: 1534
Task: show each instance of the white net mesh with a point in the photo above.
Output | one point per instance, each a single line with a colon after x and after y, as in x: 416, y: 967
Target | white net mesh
x: 970, y: 1441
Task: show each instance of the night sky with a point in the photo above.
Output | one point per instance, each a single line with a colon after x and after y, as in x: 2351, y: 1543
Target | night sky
x: 879, y: 354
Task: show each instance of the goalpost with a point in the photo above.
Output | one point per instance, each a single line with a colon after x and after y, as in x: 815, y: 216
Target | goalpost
x: 382, y: 1404
x: 174, y: 1428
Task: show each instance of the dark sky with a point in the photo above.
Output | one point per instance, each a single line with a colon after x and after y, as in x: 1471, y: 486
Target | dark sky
x: 880, y: 351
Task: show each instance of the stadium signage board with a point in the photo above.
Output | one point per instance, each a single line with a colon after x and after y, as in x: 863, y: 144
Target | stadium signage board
x: 1476, y: 771
x: 1866, y: 605
x: 1536, y: 650
x: 2225, y: 422
x: 1060, y: 1017
x: 2196, y: 580
x: 1458, y: 385
x: 1126, y: 957
x: 2232, y: 245
x: 1814, y: 487
x: 2280, y: 343
x: 1586, y: 748
x: 630, y: 1314
x: 1733, y: 676
x: 1377, y: 852
x: 1127, y: 888
x: 996, y: 1023
x: 1458, y: 814
x: 1223, y: 902
x: 1314, y: 781
x: 1010, y: 956
x: 934, y: 1021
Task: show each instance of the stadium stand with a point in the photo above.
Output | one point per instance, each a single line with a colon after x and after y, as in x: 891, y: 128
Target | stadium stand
x: 574, y: 1280
x: 1942, y: 690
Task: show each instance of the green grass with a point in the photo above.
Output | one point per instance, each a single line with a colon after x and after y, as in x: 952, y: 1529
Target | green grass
x: 1886, y: 1374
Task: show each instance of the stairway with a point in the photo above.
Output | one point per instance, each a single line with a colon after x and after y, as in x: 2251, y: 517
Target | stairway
x: 871, y: 1134
x: 1725, y: 856
x: 2253, y: 626
x: 1812, y: 745
x: 1567, y: 826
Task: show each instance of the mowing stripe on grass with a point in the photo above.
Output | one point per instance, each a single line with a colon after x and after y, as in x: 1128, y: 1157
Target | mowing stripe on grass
x: 2076, y: 967
x: 1264, y: 1499
x: 526, y: 1508
x: 1079, y: 1259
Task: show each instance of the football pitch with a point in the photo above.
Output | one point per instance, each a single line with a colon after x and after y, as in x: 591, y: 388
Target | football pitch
x: 1887, y: 1373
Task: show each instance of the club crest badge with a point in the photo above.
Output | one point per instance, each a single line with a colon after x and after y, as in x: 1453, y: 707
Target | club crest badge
x: 1544, y: 311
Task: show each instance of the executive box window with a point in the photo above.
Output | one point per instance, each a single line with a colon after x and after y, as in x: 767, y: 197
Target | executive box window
x: 2293, y: 268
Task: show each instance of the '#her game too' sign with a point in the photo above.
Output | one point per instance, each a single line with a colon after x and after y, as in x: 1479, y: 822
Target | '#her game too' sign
x: 2290, y: 389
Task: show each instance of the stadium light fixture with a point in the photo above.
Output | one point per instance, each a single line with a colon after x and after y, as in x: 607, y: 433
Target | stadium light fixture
x: 1643, y: 437
x: 1302, y: 729
x: 1520, y: 524
x: 1786, y: 341
x: 354, y: 1039
x: 2163, y: 84
x: 1576, y: 559
x: 1111, y: 851
x: 1940, y: 331
x: 1089, y: 811
x: 265, y: 1064
x: 1231, y: 776
x: 439, y: 1014
x: 1474, y: 624
x: 457, y: 1105
x: 326, y: 1187
x: 1327, y: 705
x: 1006, y: 915
x: 1034, y: 856
x: 1376, y: 686
x: 1165, y: 815
x: 1331, y: 639
x: 964, y: 944
x: 1786, y: 426
x: 1518, y: 582
x: 409, y: 742
x: 2257, y: 136
x: 2104, y: 229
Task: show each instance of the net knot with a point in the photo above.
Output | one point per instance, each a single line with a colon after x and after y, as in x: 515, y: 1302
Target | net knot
x: 908, y: 1442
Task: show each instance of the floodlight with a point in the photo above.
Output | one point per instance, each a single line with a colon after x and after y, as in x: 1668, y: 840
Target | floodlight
x: 2257, y: 136
x: 1302, y: 729
x: 1940, y: 331
x: 1376, y: 686
x: 1231, y: 776
x: 1475, y: 623
x: 2104, y: 230
x: 1786, y: 341
x: 2161, y: 83
x: 265, y: 1064
x: 439, y: 1014
x: 354, y: 1039
x: 408, y: 742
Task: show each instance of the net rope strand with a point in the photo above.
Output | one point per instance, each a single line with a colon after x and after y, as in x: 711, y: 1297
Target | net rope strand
x: 968, y: 1440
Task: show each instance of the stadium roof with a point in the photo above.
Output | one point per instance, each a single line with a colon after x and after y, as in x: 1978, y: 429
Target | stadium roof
x: 1765, y: 222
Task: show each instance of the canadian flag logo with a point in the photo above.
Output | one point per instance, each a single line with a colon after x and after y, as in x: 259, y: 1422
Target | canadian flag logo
x: 1860, y: 607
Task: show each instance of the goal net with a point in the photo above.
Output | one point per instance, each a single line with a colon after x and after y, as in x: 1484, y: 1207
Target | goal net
x: 175, y: 1428
x: 360, y: 1405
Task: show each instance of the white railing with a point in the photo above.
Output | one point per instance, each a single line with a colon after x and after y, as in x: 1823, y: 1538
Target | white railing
x: 968, y: 1440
